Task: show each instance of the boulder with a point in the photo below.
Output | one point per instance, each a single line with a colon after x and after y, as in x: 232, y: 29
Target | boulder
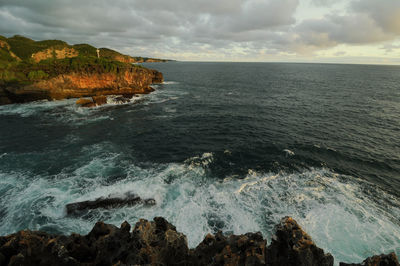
x: 85, y: 102
x: 160, y: 244
x: 247, y: 249
x: 379, y: 260
x: 99, y: 100
x: 112, y: 201
x: 292, y: 246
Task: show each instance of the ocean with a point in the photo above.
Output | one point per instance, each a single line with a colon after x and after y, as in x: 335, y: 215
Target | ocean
x: 219, y: 146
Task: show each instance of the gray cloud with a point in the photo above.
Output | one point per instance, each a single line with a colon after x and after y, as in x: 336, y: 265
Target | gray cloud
x: 200, y: 28
x: 323, y: 2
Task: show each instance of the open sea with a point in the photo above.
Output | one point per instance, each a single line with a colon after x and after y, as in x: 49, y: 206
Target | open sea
x: 219, y: 146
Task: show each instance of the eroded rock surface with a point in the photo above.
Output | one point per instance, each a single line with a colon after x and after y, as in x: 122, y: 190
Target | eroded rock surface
x: 378, y: 260
x: 157, y: 242
x: 76, y: 85
x: 248, y: 249
x: 292, y: 246
x: 53, y: 52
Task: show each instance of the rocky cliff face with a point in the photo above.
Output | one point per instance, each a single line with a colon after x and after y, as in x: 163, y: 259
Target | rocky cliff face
x: 131, y: 80
x: 53, y: 52
x: 4, y: 45
x: 158, y: 243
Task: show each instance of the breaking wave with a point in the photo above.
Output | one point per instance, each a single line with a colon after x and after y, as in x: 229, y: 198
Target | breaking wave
x: 346, y: 216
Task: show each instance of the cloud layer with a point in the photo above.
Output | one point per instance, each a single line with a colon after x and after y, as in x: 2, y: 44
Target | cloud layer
x: 192, y: 29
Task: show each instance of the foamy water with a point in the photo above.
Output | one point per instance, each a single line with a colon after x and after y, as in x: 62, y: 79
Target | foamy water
x: 231, y: 147
x: 348, y: 217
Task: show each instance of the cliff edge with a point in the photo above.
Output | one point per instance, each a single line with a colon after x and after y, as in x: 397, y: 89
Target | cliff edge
x: 54, y: 70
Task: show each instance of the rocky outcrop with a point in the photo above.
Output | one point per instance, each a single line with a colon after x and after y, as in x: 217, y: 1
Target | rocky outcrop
x: 54, y: 52
x: 112, y: 201
x: 132, y: 80
x: 379, y: 260
x: 292, y: 246
x: 158, y: 243
x: 248, y: 249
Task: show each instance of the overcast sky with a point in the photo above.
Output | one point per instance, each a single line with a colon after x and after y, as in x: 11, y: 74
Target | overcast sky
x: 346, y: 31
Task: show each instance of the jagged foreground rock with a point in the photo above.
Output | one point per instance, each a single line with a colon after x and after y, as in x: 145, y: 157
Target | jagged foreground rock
x: 158, y: 243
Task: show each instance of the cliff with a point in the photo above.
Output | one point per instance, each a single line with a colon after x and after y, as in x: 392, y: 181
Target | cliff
x: 129, y: 80
x: 158, y: 243
x: 54, y: 70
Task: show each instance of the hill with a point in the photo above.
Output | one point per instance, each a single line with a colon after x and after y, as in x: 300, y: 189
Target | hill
x: 25, y: 49
x: 52, y: 69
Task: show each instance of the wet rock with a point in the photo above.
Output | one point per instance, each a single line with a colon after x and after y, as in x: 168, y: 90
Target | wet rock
x: 158, y: 243
x: 128, y: 96
x: 2, y: 259
x: 121, y: 100
x: 292, y: 246
x: 158, y: 77
x: 112, y: 201
x: 85, y: 102
x: 99, y: 100
x: 379, y: 260
x: 34, y: 248
x: 248, y: 249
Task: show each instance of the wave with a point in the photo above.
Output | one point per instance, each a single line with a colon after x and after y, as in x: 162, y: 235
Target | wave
x: 32, y: 108
x: 346, y: 216
x: 170, y: 82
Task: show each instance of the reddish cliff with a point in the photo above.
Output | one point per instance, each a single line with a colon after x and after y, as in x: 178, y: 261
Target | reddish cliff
x: 132, y: 80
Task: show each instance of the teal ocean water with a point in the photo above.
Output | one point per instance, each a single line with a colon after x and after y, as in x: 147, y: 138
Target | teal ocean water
x: 219, y: 146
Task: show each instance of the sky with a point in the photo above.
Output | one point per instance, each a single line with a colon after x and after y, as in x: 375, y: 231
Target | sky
x: 330, y: 31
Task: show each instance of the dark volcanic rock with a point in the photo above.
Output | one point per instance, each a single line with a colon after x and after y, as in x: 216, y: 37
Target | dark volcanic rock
x: 379, y: 260
x: 248, y: 249
x: 34, y: 248
x: 292, y: 246
x: 158, y: 243
x: 112, y: 201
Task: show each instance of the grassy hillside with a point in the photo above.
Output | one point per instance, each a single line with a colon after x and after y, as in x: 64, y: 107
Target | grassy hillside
x: 18, y: 66
x: 24, y: 47
x: 27, y: 71
x: 85, y: 49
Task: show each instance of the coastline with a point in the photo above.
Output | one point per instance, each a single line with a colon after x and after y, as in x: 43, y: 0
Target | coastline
x: 158, y: 243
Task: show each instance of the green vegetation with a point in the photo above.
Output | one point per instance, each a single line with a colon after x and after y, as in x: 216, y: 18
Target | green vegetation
x: 25, y: 71
x: 37, y: 75
x: 24, y: 47
x: 85, y: 49
x: 77, y: 64
x: 6, y: 56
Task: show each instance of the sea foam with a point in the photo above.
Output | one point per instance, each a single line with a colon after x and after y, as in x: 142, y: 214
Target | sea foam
x: 346, y: 216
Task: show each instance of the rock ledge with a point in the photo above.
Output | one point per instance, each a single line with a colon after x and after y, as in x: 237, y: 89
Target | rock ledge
x: 158, y: 243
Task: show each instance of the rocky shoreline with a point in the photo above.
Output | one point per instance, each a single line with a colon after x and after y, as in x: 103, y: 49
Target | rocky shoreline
x: 129, y: 81
x: 54, y: 70
x: 158, y: 243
